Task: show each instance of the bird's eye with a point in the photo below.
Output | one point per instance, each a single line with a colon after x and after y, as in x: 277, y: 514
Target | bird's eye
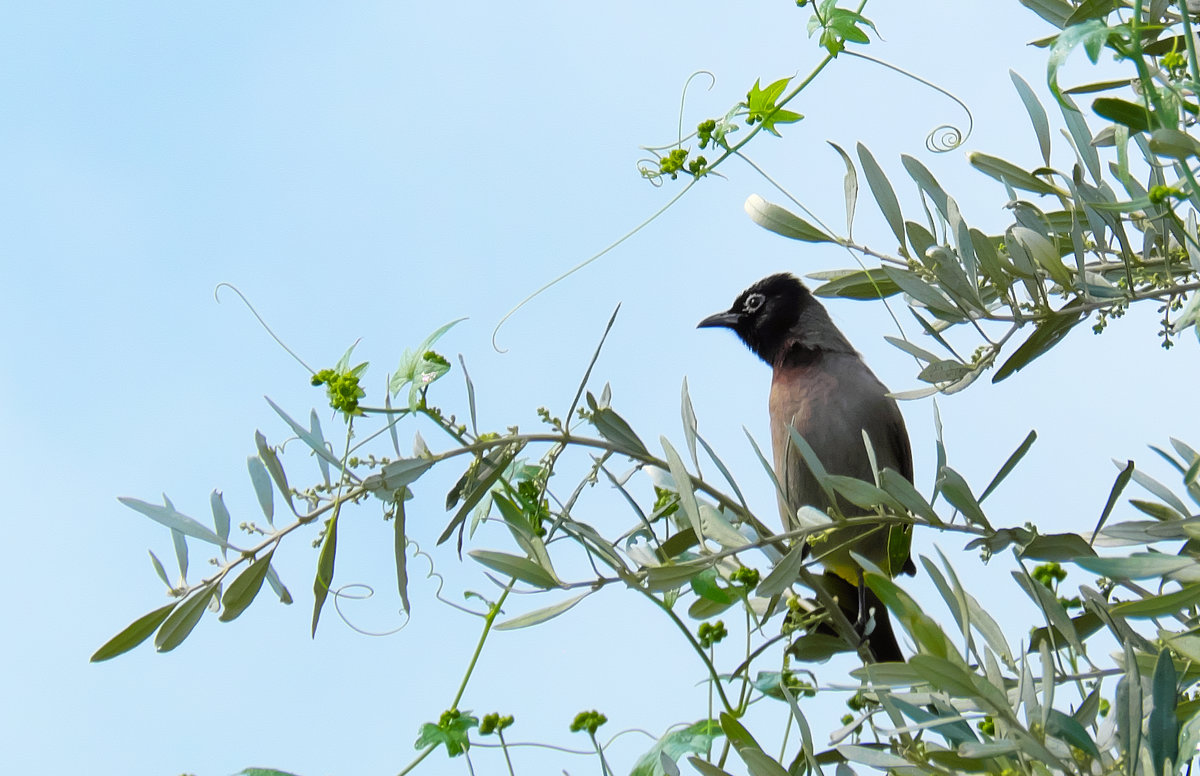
x: 752, y: 303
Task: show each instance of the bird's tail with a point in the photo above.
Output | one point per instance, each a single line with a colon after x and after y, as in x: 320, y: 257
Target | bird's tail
x: 880, y: 639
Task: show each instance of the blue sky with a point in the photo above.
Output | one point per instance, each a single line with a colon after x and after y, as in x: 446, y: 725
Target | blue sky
x: 377, y: 169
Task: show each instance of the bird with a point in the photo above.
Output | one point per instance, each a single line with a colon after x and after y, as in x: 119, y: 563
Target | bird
x: 822, y: 388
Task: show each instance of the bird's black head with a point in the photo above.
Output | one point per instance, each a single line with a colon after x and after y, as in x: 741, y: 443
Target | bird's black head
x: 767, y: 314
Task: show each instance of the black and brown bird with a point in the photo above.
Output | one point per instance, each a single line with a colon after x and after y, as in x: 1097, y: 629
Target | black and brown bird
x: 821, y: 387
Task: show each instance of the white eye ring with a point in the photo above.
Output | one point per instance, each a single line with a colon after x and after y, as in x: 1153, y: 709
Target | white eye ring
x: 753, y: 302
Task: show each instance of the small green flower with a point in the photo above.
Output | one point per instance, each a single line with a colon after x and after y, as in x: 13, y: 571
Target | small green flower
x: 342, y: 388
x: 494, y: 723
x: 589, y: 721
x: 746, y: 577
x: 711, y: 633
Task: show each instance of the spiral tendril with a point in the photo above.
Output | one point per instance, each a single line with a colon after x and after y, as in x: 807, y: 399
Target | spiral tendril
x: 944, y: 137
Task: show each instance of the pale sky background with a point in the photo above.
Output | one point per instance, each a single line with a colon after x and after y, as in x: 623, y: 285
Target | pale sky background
x: 373, y: 170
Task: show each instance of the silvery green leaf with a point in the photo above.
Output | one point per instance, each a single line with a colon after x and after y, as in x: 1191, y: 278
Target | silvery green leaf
x: 171, y: 518
x: 262, y: 486
x: 541, y: 615
x: 309, y: 438
x: 884, y: 195
x: 1037, y: 114
x: 782, y: 222
x: 220, y: 516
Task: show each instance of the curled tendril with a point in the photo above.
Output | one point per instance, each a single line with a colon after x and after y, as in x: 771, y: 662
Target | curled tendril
x: 361, y: 592
x: 358, y: 591
x: 651, y: 170
x: 250, y: 307
x: 712, y: 81
x: 944, y: 137
x: 441, y: 581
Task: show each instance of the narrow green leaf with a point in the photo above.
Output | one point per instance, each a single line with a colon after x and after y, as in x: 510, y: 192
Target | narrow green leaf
x: 614, y: 428
x: 759, y: 763
x: 1054, y: 11
x: 1007, y: 172
x: 541, y: 615
x: 784, y: 574
x: 517, y: 567
x: 277, y: 585
x: 1114, y: 494
x: 181, y: 549
x: 927, y: 183
x: 317, y: 437
x: 874, y: 756
x: 912, y: 284
x: 956, y: 490
x: 1140, y: 565
x: 1124, y: 112
x: 943, y: 371
x: 243, y: 590
x: 1056, y: 547
x: 1162, y: 729
x: 776, y: 219
x: 325, y: 566
x: 859, y: 284
x: 1081, y: 136
x: 849, y: 186
x: 1037, y: 114
x: 913, y: 350
x: 688, y: 413
x: 135, y: 633
x: 220, y: 517
x: 314, y: 441
x: 903, y: 491
x: 673, y: 575
x: 1044, y: 253
x: 271, y: 460
x: 1174, y: 144
x: 159, y: 570
x: 862, y: 494
x: 400, y: 550
x: 1082, y: 626
x: 812, y: 461
x: 683, y: 486
x: 884, y: 195
x: 1159, y: 605
x: 182, y: 620
x: 722, y: 468
x: 1047, y: 334
x: 706, y: 768
x: 920, y: 239
x: 396, y: 475
x: 1010, y: 464
x: 1048, y: 602
x: 262, y: 486
x: 953, y: 678
x: 1161, y: 491
x: 737, y: 734
x: 489, y: 469
x: 176, y: 521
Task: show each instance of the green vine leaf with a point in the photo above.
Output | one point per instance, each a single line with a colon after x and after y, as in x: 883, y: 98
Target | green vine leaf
x: 762, y: 108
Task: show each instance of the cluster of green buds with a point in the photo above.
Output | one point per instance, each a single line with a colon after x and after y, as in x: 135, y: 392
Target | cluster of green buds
x: 494, y: 723
x: 589, y: 721
x: 342, y: 388
x: 711, y: 633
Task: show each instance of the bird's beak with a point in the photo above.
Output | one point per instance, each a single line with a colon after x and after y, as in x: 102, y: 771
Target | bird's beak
x: 727, y: 320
